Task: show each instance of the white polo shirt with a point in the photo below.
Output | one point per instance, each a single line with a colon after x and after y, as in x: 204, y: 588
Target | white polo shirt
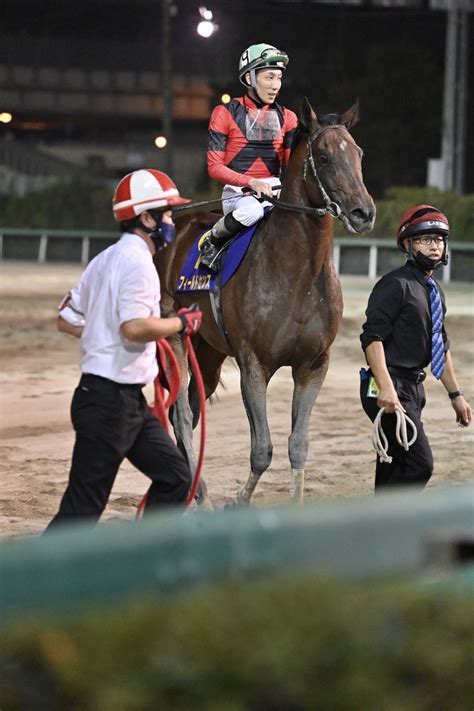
x: 118, y: 285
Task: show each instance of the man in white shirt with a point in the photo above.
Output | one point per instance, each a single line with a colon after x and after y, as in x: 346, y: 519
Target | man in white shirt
x: 115, y: 311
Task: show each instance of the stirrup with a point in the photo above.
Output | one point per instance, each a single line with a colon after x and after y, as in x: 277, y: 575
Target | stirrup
x: 210, y: 255
x: 208, y: 252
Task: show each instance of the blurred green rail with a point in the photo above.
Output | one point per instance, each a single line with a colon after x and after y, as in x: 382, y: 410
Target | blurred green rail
x: 81, y: 566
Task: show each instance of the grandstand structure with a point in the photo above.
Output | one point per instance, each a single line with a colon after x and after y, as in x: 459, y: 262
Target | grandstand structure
x: 86, y: 90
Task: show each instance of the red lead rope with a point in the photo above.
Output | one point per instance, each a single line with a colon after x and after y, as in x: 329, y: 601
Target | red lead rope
x: 169, y: 379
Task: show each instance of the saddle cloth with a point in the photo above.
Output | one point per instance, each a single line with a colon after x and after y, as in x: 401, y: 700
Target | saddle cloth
x: 201, y: 278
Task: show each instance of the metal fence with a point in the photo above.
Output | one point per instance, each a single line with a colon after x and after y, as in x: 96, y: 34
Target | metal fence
x: 352, y: 255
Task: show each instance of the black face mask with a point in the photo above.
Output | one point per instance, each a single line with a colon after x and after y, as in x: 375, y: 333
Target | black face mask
x: 425, y: 262
x: 161, y: 235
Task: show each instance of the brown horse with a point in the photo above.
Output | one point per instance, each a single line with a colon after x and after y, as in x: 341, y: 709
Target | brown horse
x: 284, y: 304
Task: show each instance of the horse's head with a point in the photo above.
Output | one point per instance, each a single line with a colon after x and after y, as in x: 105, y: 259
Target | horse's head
x: 332, y: 168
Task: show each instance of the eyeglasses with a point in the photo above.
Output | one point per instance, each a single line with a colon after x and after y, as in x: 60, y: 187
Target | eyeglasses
x: 428, y: 239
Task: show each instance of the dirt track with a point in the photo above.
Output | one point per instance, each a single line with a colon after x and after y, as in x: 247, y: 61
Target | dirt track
x: 39, y: 370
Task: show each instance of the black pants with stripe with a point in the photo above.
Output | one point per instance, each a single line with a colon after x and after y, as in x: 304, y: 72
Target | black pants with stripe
x: 416, y: 465
x: 113, y: 422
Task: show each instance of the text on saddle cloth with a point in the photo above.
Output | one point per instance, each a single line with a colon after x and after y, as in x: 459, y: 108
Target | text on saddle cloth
x: 201, y: 278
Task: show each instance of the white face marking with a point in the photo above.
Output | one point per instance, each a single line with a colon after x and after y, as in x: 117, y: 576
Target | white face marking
x: 343, y: 145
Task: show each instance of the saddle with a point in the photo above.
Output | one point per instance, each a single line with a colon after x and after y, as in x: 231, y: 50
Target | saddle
x: 197, y: 277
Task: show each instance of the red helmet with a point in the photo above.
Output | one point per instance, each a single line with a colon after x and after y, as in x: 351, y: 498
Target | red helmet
x: 420, y: 220
x: 144, y: 190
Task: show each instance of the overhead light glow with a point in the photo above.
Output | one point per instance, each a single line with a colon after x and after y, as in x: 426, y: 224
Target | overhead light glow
x: 5, y: 117
x: 205, y: 13
x: 161, y: 141
x: 225, y: 98
x: 205, y: 28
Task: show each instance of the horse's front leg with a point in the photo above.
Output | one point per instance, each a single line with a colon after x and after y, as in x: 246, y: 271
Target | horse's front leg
x: 253, y: 384
x: 181, y: 418
x: 308, y: 380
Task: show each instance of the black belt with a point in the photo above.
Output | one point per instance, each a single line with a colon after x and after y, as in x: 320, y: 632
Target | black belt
x: 91, y: 378
x: 415, y: 376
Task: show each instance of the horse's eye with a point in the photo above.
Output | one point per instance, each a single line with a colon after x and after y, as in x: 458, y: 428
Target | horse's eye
x: 323, y: 159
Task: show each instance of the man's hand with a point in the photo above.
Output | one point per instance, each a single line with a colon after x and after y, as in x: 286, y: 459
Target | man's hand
x: 388, y: 399
x: 260, y: 187
x: 191, y: 319
x: 463, y: 411
x: 66, y: 327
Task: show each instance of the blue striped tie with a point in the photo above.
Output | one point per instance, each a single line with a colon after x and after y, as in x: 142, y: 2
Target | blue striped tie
x: 437, y: 344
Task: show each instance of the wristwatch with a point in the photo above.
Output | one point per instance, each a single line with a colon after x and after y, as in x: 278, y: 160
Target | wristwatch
x: 455, y: 394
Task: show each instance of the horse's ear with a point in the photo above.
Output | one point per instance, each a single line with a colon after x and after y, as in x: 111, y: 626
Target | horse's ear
x: 351, y: 116
x: 308, y: 118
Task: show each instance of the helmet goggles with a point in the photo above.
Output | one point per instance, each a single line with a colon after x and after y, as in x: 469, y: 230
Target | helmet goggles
x: 261, y: 56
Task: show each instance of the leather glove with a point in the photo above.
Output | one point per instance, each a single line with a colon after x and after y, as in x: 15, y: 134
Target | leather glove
x: 191, y: 319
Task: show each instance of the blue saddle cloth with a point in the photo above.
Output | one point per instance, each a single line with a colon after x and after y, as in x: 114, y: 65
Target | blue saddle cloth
x: 202, y: 278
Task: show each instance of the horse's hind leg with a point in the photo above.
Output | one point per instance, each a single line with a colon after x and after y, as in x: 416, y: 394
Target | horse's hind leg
x: 253, y: 382
x: 182, y: 420
x: 308, y: 380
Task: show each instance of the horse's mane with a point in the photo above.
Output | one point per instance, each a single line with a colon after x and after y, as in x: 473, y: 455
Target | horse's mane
x: 325, y: 120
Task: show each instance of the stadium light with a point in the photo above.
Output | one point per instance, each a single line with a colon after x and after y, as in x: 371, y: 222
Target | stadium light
x: 161, y: 142
x: 206, y: 26
x: 5, y: 117
x: 225, y: 98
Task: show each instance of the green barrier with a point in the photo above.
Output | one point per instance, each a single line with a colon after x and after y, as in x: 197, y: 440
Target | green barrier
x: 85, y: 566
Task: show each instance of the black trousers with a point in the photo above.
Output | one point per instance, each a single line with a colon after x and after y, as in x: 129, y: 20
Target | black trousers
x: 416, y: 465
x: 113, y: 422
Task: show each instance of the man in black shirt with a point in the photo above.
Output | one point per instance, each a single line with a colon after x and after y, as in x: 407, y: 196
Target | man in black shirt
x: 403, y: 333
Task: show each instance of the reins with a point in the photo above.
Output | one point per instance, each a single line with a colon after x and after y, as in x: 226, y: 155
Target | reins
x: 317, y: 211
x: 331, y: 207
x: 379, y: 439
x: 160, y: 406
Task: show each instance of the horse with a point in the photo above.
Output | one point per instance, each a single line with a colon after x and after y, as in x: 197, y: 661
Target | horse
x: 283, y: 306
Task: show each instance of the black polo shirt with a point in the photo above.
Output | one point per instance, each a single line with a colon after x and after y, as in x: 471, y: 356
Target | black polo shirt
x: 398, y: 315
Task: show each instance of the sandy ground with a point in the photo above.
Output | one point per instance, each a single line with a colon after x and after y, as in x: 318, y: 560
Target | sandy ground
x: 39, y: 370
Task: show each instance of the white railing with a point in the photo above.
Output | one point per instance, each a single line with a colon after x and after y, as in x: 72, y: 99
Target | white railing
x: 43, y: 250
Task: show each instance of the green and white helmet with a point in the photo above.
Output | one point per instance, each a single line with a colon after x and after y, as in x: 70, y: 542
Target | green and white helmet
x: 260, y: 56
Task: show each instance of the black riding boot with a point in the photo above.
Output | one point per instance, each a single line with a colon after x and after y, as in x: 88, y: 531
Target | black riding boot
x: 215, y: 239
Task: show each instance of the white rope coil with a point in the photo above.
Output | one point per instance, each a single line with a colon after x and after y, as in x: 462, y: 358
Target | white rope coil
x: 379, y: 440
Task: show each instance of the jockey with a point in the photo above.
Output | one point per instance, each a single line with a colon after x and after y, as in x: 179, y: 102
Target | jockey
x: 249, y: 141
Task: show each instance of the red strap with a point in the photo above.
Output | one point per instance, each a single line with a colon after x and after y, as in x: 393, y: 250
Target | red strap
x: 169, y: 378
x: 169, y: 375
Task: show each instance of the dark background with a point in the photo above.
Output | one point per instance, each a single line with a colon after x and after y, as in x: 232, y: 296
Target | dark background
x: 391, y: 58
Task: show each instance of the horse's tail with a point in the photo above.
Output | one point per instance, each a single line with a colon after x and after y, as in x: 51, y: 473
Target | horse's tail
x: 193, y: 397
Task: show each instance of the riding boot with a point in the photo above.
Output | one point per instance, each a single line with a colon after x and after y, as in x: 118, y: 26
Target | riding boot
x: 214, y: 240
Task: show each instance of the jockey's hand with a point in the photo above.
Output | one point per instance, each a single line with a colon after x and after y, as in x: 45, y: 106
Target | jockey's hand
x: 388, y: 399
x: 191, y: 319
x: 260, y: 187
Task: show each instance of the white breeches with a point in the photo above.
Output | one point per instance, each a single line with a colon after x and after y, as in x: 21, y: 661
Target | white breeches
x: 245, y: 208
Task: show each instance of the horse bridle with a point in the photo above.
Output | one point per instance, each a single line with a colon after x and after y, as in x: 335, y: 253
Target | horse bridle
x: 332, y: 208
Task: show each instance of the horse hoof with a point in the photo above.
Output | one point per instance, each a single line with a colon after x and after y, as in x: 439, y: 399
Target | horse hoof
x: 205, y: 504
x: 241, y: 502
x: 297, y: 486
x: 229, y: 506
